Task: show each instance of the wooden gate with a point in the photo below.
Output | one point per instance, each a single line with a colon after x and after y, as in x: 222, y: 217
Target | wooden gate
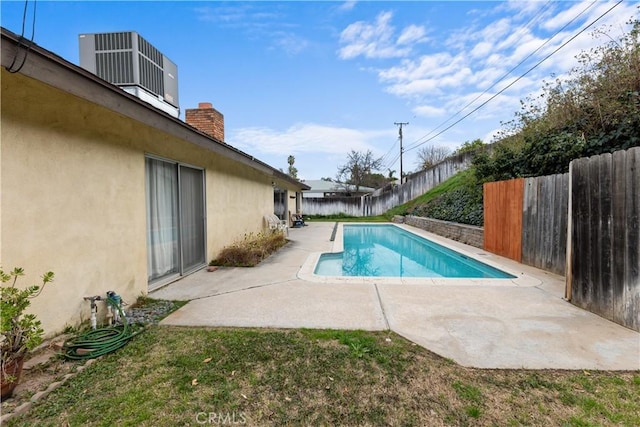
x: 503, y: 218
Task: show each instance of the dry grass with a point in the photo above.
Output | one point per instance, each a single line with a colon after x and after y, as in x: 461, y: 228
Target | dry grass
x: 252, y: 249
x: 320, y: 377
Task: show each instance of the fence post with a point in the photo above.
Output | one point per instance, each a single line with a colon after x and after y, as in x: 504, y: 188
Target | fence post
x: 568, y: 265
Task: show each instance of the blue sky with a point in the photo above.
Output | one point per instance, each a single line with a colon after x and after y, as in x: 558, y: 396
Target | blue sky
x: 318, y: 79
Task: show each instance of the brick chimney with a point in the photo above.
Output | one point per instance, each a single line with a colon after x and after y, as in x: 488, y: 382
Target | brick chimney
x: 206, y: 119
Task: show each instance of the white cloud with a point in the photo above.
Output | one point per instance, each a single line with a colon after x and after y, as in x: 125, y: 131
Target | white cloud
x: 347, y: 6
x: 452, y: 70
x: 291, y: 43
x: 513, y: 40
x: 525, y: 47
x: 257, y: 22
x: 414, y: 88
x: 427, y: 66
x: 377, y: 40
x: 560, y: 19
x: 481, y: 50
x: 431, y: 74
x: 524, y: 9
x: 412, y: 34
x: 487, y: 76
x: 496, y: 31
x: 429, y: 111
x: 304, y: 138
x: 238, y: 14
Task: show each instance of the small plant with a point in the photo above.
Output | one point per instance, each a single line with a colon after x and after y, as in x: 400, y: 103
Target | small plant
x: 473, y: 411
x: 468, y: 392
x: 359, y: 350
x: 20, y: 332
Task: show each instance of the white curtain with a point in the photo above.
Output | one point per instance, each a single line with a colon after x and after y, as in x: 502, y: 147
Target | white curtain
x: 162, y: 218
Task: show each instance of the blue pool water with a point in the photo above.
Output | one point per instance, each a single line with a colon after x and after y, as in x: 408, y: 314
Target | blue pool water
x: 389, y: 251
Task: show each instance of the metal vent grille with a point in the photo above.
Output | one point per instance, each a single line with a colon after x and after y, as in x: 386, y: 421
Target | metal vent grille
x: 149, y: 51
x: 115, y: 67
x: 128, y: 60
x: 113, y: 41
x: 151, y: 77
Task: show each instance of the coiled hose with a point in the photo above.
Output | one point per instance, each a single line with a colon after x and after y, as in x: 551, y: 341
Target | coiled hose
x: 100, y: 341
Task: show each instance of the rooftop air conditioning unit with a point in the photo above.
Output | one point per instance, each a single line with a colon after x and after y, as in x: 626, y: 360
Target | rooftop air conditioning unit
x: 129, y: 61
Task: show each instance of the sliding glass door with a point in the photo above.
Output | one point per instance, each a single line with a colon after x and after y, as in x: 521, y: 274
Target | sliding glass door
x: 175, y: 219
x: 192, y: 218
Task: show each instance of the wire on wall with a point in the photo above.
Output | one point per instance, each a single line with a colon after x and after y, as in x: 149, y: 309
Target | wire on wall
x: 22, y: 41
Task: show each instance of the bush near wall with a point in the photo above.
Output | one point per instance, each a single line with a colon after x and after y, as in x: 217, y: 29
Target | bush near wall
x: 251, y: 250
x: 462, y: 205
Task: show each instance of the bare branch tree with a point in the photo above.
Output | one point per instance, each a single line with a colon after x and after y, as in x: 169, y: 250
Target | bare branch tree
x: 357, y: 169
x: 431, y: 155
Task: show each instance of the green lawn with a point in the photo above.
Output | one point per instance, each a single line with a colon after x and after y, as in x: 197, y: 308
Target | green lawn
x: 170, y: 376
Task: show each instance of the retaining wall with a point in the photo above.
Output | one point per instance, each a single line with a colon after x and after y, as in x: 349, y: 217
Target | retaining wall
x: 468, y: 234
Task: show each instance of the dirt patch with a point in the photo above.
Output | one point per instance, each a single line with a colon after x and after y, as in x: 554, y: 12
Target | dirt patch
x: 44, y: 367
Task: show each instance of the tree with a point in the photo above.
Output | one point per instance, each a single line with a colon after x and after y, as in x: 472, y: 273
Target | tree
x: 468, y: 146
x: 293, y: 171
x: 431, y: 155
x: 328, y: 179
x: 390, y: 176
x: 357, y: 170
x: 375, y: 180
x: 595, y: 110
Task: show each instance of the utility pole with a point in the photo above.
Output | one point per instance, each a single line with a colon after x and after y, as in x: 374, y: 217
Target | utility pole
x: 400, y: 132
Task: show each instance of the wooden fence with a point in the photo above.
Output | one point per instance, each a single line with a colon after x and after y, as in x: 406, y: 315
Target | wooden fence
x: 381, y: 200
x: 503, y: 218
x: 352, y: 206
x: 544, y: 222
x: 584, y: 224
x: 526, y: 220
x: 604, y: 236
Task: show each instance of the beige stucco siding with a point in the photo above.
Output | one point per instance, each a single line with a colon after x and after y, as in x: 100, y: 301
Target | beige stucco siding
x: 73, y: 196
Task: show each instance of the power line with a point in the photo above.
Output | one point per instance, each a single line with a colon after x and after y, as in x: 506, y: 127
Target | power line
x: 395, y: 159
x: 386, y: 156
x: 516, y: 80
x: 528, y: 25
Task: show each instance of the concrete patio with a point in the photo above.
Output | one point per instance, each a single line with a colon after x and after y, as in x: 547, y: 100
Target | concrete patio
x: 485, y: 323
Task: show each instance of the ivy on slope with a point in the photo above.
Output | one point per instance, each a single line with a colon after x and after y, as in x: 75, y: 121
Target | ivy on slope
x: 462, y: 205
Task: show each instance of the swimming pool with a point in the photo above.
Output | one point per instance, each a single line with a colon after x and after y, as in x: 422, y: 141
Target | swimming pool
x: 375, y: 250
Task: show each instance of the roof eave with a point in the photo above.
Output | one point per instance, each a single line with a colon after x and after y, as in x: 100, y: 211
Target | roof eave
x: 49, y: 68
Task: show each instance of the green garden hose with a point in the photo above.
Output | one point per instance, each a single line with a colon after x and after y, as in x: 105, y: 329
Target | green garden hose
x: 100, y: 341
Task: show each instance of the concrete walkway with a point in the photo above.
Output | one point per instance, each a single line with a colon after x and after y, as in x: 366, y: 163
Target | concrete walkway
x: 485, y: 323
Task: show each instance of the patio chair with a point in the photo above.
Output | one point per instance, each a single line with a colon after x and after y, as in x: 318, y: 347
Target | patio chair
x: 276, y: 223
x: 297, y: 220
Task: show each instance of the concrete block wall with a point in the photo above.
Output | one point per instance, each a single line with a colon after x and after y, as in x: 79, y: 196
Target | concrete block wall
x: 468, y: 234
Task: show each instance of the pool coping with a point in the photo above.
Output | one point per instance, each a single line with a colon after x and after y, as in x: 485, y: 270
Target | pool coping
x: 522, y: 279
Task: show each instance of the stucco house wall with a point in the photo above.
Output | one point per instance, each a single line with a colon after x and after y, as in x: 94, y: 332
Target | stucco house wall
x: 72, y: 195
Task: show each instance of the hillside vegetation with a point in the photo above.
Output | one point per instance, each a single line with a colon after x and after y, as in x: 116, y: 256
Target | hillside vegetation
x: 594, y: 110
x: 458, y: 199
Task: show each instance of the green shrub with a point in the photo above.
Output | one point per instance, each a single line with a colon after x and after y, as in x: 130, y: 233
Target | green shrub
x: 459, y: 199
x: 462, y: 205
x: 252, y: 249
